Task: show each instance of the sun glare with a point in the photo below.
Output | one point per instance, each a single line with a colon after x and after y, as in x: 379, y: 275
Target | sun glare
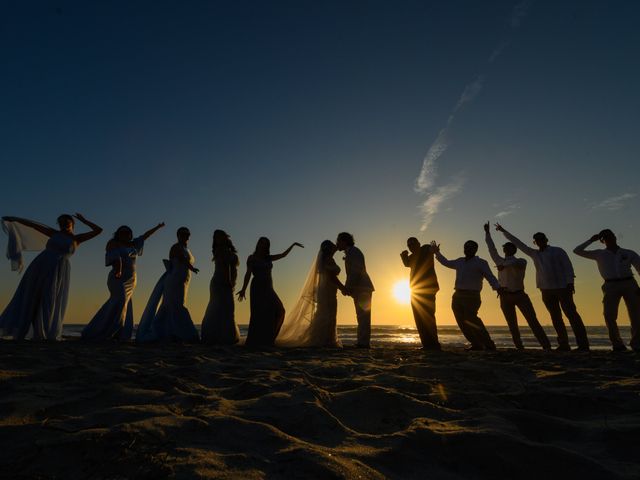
x: 402, y: 292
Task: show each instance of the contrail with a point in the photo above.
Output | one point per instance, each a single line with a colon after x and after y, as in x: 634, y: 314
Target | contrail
x: 426, y: 185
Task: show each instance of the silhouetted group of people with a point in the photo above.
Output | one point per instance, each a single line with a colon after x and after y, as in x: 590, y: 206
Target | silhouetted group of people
x: 37, y: 308
x: 554, y: 278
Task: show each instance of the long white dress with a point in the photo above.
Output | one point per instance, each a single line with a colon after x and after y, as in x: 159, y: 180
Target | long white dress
x: 171, y: 321
x: 38, y: 306
x: 114, y: 320
x: 312, y: 321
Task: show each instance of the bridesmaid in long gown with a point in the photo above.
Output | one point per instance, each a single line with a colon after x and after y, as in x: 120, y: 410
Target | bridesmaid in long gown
x: 267, y: 311
x: 39, y: 303
x: 219, y: 325
x: 171, y: 321
x: 114, y: 320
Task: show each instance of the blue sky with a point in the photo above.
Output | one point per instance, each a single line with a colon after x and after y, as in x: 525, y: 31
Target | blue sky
x: 297, y: 120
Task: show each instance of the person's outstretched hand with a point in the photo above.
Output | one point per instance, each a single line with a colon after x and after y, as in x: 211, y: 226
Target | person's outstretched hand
x: 435, y: 247
x: 499, y: 227
x: 486, y: 227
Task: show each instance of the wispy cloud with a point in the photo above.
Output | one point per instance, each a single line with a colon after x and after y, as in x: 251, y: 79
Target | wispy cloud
x: 507, y: 210
x: 432, y: 203
x: 614, y: 203
x: 426, y: 182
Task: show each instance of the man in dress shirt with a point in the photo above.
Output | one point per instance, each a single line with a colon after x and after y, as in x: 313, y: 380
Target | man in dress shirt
x: 424, y: 286
x: 357, y: 285
x: 470, y: 270
x: 554, y: 278
x: 614, y: 264
x: 511, y: 272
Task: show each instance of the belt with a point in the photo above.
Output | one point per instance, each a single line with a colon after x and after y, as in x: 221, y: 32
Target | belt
x: 514, y: 292
x: 613, y: 280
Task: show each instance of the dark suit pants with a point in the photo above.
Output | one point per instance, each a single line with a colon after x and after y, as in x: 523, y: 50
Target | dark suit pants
x: 560, y: 300
x: 465, y: 305
x: 508, y: 303
x: 424, y: 313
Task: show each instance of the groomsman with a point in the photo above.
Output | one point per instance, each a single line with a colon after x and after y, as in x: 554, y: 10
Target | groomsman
x: 554, y: 278
x: 357, y: 285
x: 511, y: 272
x: 470, y: 270
x: 424, y: 286
x: 614, y: 264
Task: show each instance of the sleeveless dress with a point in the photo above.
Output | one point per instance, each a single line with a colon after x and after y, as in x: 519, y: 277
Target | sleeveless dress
x: 219, y: 325
x: 38, y: 306
x: 171, y: 321
x: 115, y: 319
x: 267, y: 311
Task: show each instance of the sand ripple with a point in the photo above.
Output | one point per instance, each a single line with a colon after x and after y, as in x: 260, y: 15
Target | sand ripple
x: 121, y: 411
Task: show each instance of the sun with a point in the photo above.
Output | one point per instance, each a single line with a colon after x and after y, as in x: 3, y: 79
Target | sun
x: 402, y: 292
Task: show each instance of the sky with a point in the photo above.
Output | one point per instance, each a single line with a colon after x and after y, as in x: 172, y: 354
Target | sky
x: 300, y: 119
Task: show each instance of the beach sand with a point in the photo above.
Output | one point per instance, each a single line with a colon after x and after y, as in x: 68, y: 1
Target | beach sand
x: 71, y: 410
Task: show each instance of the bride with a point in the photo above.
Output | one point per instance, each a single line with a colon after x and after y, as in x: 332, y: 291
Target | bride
x: 312, y: 321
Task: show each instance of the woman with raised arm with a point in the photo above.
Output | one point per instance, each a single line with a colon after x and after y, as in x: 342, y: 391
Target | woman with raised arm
x: 39, y: 303
x: 219, y: 325
x: 114, y: 321
x: 171, y: 321
x: 267, y: 311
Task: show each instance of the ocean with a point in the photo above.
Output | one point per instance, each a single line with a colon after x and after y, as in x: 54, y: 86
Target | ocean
x: 450, y: 336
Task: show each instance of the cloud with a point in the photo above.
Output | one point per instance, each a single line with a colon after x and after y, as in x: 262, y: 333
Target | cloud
x: 425, y: 184
x: 614, y: 203
x: 431, y: 205
x: 508, y: 210
x: 470, y: 92
x: 427, y: 178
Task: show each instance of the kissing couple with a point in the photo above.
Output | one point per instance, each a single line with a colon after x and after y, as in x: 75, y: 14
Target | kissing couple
x: 312, y: 321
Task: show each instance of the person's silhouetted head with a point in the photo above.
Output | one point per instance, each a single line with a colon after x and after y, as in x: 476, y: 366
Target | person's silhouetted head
x: 66, y: 223
x: 263, y: 247
x: 509, y: 249
x: 413, y: 244
x: 327, y: 249
x: 470, y: 248
x: 344, y: 241
x: 608, y: 238
x: 541, y: 240
x: 183, y: 235
x: 123, y: 234
x: 222, y: 242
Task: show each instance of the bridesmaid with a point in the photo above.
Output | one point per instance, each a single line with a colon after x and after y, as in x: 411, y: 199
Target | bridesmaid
x: 219, y: 326
x: 172, y: 321
x: 114, y: 321
x: 267, y: 311
x: 39, y: 303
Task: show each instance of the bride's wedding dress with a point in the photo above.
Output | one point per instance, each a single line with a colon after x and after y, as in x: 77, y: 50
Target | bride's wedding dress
x: 312, y: 321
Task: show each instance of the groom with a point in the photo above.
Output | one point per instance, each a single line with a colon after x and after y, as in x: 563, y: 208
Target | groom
x: 358, y: 285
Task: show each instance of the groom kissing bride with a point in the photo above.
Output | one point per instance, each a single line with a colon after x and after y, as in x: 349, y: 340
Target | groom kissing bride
x: 312, y: 321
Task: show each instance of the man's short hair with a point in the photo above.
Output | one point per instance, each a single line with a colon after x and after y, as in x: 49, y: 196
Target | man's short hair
x: 347, y: 238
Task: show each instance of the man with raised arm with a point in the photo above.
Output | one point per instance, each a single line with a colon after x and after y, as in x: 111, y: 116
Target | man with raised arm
x: 614, y: 264
x: 466, y: 301
x: 554, y: 278
x: 424, y: 286
x: 511, y: 272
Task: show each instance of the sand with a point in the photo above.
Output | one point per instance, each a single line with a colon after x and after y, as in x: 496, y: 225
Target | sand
x: 70, y: 410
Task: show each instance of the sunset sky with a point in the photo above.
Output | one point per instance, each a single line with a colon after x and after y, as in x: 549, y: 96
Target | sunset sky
x: 299, y: 119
